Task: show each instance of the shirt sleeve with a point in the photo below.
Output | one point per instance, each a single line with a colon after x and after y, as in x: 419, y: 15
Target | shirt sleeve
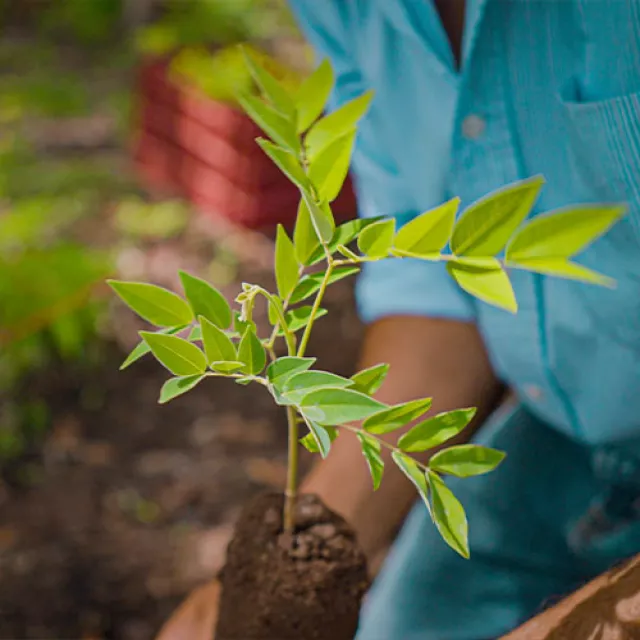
x: 393, y: 286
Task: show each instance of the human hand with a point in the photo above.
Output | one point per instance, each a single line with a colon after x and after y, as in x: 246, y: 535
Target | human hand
x: 196, y: 617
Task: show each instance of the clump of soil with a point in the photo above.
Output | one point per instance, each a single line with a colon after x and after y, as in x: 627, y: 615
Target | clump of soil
x: 278, y: 587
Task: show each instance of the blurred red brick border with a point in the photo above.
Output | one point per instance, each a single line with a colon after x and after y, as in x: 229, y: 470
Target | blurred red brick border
x: 191, y: 145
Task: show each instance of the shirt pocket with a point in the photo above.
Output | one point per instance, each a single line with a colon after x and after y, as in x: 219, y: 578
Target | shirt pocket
x: 603, y: 140
x: 604, y: 150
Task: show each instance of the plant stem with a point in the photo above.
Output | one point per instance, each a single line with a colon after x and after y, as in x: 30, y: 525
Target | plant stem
x: 291, y: 491
x: 316, y: 305
x: 384, y: 443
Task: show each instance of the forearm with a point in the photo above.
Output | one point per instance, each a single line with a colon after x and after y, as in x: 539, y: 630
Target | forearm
x: 428, y: 357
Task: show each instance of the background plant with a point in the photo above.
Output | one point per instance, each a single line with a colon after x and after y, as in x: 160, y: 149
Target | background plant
x: 202, y: 335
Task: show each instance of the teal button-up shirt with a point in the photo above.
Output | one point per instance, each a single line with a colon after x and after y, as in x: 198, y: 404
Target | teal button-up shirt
x: 547, y: 87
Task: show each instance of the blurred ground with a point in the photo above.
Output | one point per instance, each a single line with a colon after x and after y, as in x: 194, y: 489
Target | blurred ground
x: 120, y: 506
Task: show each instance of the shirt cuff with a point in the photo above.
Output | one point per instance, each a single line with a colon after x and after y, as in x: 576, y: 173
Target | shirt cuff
x: 410, y: 287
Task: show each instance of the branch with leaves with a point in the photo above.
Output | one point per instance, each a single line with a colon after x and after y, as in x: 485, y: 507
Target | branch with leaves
x: 201, y: 335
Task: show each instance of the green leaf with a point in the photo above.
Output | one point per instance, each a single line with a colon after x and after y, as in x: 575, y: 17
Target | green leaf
x: 492, y: 285
x: 305, y: 238
x: 299, y: 385
x: 321, y: 437
x: 280, y: 370
x: 143, y: 348
x: 313, y: 95
x: 206, y: 300
x: 227, y: 366
x: 175, y: 387
x: 376, y: 239
x: 337, y: 406
x: 448, y: 515
x: 370, y: 380
x: 156, y: 305
x: 486, y: 226
x: 299, y: 318
x: 434, y: 431
x: 328, y: 169
x: 564, y: 233
x: 179, y: 356
x: 217, y: 345
x: 286, y: 162
x: 321, y: 217
x: 393, y: 418
x: 251, y: 353
x: 286, y: 264
x: 466, y: 460
x: 271, y: 122
x: 371, y: 450
x: 562, y: 268
x: 310, y: 443
x: 311, y: 283
x: 410, y: 468
x: 240, y: 325
x: 270, y: 87
x: 430, y: 232
x: 336, y: 124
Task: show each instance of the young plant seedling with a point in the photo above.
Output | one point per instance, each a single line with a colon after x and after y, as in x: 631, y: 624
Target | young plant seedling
x: 491, y: 236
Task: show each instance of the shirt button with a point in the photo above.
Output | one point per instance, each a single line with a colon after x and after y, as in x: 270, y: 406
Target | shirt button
x: 473, y: 127
x: 534, y: 392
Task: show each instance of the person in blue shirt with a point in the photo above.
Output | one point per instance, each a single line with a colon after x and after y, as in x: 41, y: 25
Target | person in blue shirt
x: 471, y: 96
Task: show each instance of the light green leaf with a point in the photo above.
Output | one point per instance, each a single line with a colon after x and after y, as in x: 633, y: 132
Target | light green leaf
x: 299, y: 318
x: 376, y: 239
x: 313, y: 95
x: 286, y: 264
x: 270, y: 87
x: 310, y: 283
x: 240, y: 325
x: 321, y: 437
x: 370, y: 380
x: 562, y: 268
x: 448, y: 515
x: 305, y: 238
x: 562, y: 234
x: 336, y: 124
x: 337, y: 406
x: 280, y: 370
x: 206, y: 300
x: 371, y: 450
x: 328, y: 169
x: 179, y: 356
x: 279, y: 129
x: 434, y: 431
x: 227, y: 366
x: 321, y: 217
x: 286, y: 162
x: 156, y: 305
x: 310, y: 443
x: 175, y: 387
x: 393, y: 418
x: 491, y: 285
x: 217, y: 345
x: 466, y: 460
x: 410, y: 468
x: 430, y: 232
x: 143, y: 348
x: 299, y: 385
x: 251, y: 353
x: 486, y: 226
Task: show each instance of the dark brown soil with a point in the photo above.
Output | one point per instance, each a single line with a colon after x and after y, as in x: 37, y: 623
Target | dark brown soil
x: 279, y: 587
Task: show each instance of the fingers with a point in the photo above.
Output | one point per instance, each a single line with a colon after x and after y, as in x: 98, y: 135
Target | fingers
x: 196, y: 617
